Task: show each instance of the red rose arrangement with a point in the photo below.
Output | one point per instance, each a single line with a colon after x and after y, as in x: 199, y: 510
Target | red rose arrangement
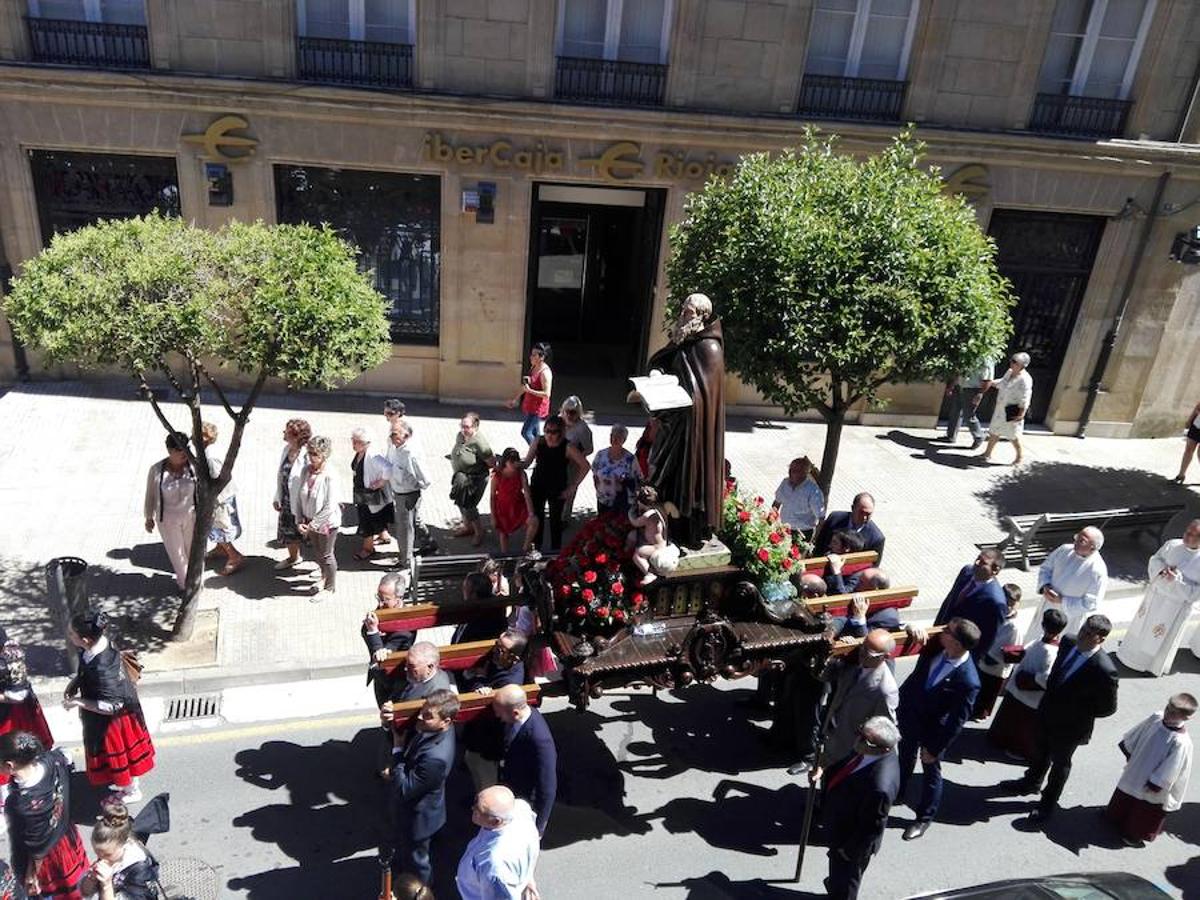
x: 593, y: 578
x: 757, y: 540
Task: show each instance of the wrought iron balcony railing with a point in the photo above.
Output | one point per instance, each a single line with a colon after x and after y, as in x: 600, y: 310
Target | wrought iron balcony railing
x: 77, y: 43
x: 835, y: 97
x: 368, y: 63
x: 610, y: 81
x: 1074, y: 116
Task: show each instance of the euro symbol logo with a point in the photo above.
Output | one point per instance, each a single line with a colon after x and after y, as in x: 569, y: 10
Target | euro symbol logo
x: 216, y: 138
x: 613, y: 165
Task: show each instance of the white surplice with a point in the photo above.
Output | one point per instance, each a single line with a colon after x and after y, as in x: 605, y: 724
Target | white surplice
x: 1080, y: 580
x: 1161, y: 756
x: 1157, y: 629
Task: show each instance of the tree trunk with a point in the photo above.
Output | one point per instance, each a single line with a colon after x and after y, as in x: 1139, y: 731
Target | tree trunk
x: 834, y: 422
x: 206, y: 505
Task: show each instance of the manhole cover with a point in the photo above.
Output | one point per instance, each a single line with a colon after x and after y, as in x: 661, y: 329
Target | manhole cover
x: 193, y: 706
x: 185, y: 878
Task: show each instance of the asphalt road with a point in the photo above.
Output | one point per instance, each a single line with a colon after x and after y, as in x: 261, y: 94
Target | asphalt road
x: 667, y: 796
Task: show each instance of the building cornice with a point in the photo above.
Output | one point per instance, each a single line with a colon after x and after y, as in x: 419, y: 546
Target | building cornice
x: 715, y: 131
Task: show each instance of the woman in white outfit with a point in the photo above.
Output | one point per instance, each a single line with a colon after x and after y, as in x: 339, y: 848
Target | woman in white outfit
x: 1073, y: 578
x: 1013, y: 393
x: 315, y: 506
x: 1157, y: 629
x: 171, y: 503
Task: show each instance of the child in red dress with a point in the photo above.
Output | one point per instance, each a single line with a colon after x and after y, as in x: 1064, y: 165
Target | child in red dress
x: 512, y: 504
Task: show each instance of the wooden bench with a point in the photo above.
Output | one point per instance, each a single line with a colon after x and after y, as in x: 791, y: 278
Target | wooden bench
x: 905, y: 646
x: 471, y: 706
x: 430, y: 615
x: 838, y: 604
x: 452, y: 657
x: 1032, y: 537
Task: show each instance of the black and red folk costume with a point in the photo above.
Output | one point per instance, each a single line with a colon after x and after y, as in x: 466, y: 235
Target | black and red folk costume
x: 40, y: 828
x: 116, y: 743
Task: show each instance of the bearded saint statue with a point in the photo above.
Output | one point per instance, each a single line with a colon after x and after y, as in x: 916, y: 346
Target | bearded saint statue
x: 687, y: 459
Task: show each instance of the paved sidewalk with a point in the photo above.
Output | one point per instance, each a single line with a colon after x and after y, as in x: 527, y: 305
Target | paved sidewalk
x: 73, y: 459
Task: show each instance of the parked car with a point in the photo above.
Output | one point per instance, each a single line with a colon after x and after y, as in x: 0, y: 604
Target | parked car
x: 1073, y: 886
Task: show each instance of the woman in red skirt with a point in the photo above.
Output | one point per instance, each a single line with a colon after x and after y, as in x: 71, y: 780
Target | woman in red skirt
x: 115, y: 740
x: 19, y: 707
x: 47, y: 851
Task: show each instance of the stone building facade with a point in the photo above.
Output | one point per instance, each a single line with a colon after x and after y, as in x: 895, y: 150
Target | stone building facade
x: 511, y: 168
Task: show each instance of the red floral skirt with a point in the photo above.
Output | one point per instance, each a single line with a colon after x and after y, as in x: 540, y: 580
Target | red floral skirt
x: 27, y: 716
x: 1137, y: 819
x: 1015, y: 728
x: 127, y: 752
x: 63, y: 868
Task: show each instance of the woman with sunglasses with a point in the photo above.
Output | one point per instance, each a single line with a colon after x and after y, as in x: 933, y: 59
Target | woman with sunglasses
x: 552, y: 483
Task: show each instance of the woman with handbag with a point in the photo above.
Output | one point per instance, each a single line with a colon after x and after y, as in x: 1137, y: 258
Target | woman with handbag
x: 1013, y: 393
x: 171, y: 503
x: 296, y: 434
x: 116, y: 744
x: 317, y: 512
x: 472, y: 461
x: 372, y: 496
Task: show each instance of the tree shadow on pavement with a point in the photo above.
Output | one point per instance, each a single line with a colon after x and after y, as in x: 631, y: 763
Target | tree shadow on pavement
x: 719, y: 886
x: 358, y: 877
x: 705, y: 731
x: 937, y: 452
x: 591, y: 788
x: 142, y: 609
x: 743, y: 817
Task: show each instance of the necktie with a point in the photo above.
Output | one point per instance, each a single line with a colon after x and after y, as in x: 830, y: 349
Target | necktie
x: 1072, y: 664
x: 844, y: 772
x: 935, y: 672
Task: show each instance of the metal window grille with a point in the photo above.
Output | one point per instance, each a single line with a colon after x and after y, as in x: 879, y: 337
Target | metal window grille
x: 1071, y: 115
x: 368, y: 63
x: 837, y: 97
x: 77, y: 43
x: 610, y: 81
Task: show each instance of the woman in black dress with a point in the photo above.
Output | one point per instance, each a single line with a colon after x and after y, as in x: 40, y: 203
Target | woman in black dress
x: 372, y: 498
x: 47, y: 851
x: 551, y: 483
x: 124, y: 868
x: 115, y: 740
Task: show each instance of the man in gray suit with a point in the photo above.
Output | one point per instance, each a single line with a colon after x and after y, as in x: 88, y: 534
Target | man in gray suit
x: 861, y: 687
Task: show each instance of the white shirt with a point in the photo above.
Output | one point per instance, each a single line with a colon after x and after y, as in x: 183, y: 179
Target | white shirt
x: 977, y: 376
x: 802, y: 506
x: 314, y: 500
x: 407, y: 475
x: 1038, y: 661
x: 498, y: 863
x: 1081, y: 580
x: 1012, y: 391
x: 1161, y: 756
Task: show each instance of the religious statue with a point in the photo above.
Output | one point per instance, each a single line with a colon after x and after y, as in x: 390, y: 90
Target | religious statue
x: 687, y: 459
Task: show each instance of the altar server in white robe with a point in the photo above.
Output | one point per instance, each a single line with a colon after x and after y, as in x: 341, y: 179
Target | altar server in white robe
x: 1158, y: 762
x: 1073, y: 578
x: 1157, y: 629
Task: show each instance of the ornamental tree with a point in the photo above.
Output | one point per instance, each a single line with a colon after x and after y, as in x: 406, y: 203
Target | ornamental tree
x: 158, y: 298
x: 835, y: 275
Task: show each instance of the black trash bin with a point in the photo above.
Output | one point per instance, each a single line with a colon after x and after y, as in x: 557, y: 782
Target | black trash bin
x: 66, y: 583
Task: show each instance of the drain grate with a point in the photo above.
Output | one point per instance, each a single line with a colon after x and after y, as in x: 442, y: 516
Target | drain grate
x: 193, y: 706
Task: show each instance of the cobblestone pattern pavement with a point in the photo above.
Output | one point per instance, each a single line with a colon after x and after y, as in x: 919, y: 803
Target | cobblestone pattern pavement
x: 73, y: 461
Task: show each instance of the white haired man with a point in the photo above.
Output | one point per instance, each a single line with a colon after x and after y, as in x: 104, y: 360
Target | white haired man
x: 1014, y: 390
x: 1074, y: 578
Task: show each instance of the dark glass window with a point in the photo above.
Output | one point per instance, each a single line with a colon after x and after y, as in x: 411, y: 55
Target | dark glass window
x: 77, y: 189
x: 393, y: 221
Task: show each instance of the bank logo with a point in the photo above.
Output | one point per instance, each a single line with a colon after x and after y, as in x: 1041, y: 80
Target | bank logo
x: 615, y: 164
x: 216, y: 139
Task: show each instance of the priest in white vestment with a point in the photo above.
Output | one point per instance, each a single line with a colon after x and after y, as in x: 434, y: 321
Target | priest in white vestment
x: 1158, y: 762
x: 1073, y: 578
x: 1157, y: 629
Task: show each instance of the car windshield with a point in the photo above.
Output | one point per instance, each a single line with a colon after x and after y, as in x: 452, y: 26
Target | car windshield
x: 1074, y: 890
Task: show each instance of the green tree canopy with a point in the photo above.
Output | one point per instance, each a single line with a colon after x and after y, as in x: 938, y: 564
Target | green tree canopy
x: 159, y: 298
x: 835, y: 275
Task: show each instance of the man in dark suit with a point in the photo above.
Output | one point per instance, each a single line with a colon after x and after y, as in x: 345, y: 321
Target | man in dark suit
x: 935, y: 701
x: 502, y: 665
x: 978, y: 596
x: 389, y: 595
x: 421, y: 677
x: 530, y: 763
x: 1082, y: 688
x: 859, y: 792
x: 858, y: 520
x: 423, y: 758
x: 870, y: 579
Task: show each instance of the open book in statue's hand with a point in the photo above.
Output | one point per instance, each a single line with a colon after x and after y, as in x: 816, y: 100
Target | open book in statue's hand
x: 658, y: 392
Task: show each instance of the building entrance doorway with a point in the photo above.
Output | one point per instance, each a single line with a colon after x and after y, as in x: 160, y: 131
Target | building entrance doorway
x: 592, y: 265
x: 1048, y: 258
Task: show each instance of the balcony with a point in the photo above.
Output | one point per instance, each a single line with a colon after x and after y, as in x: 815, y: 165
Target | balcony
x: 1069, y: 115
x: 365, y: 63
x: 835, y: 97
x: 103, y: 45
x: 610, y: 81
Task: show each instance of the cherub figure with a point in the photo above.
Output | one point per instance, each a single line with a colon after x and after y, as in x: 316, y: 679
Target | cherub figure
x: 652, y: 553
